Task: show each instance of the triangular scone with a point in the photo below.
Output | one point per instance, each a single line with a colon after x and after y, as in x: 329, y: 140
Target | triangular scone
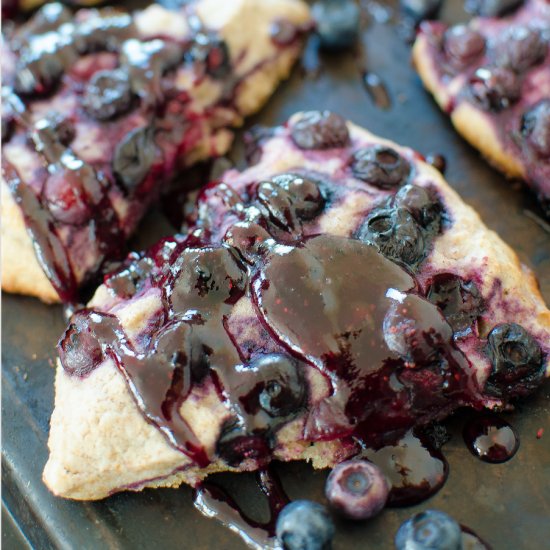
x: 492, y: 76
x: 303, y: 314
x: 101, y: 108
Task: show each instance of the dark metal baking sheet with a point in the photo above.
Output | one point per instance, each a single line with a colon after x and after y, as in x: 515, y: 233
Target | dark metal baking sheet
x: 508, y: 504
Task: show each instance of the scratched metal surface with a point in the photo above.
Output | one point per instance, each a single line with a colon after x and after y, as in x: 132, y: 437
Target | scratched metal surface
x: 508, y: 505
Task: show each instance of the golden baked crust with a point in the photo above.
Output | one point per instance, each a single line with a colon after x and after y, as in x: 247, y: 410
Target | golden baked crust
x: 494, y: 122
x: 100, y: 443
x: 261, y: 71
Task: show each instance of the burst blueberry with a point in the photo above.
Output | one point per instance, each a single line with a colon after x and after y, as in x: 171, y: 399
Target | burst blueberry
x: 319, y: 130
x: 305, y: 525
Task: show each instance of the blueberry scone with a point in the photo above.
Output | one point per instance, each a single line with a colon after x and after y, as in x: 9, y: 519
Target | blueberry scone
x: 492, y: 76
x: 333, y: 295
x: 101, y: 108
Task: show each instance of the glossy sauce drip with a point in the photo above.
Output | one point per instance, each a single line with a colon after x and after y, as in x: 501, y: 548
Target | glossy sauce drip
x: 212, y: 501
x: 345, y: 308
x: 491, y: 439
x: 415, y: 469
x: 377, y: 90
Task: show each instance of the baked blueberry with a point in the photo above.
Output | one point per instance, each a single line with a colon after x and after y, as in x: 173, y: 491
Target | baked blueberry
x: 108, y: 94
x: 535, y: 128
x: 421, y: 203
x: 492, y: 8
x: 460, y: 301
x: 80, y: 348
x: 380, y: 166
x: 429, y: 530
x: 127, y: 281
x: 273, y: 384
x: 304, y: 192
x: 305, y: 525
x: 463, y: 45
x: 396, y: 234
x: 357, y: 488
x: 520, y: 48
x: 337, y: 23
x: 134, y: 156
x: 212, y: 53
x: 205, y: 278
x: 494, y: 88
x: 517, y: 362
x: 320, y: 130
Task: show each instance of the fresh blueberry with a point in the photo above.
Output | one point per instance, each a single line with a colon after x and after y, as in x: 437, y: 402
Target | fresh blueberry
x: 492, y: 8
x: 535, y: 127
x: 520, y: 48
x: 460, y: 301
x: 305, y: 525
x: 429, y: 530
x: 319, y: 130
x: 380, y: 166
x: 108, y: 94
x: 494, y: 89
x: 210, y: 52
x: 337, y: 23
x: 134, y: 156
x: 396, y: 234
x: 518, y: 368
x: 418, y: 10
x: 463, y: 45
x: 357, y: 489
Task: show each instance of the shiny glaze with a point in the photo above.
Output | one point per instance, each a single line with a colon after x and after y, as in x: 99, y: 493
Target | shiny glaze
x: 491, y: 439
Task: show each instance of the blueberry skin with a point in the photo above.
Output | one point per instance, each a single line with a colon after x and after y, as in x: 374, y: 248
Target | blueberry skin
x: 305, y: 525
x: 429, y: 530
x: 357, y: 489
x: 337, y: 23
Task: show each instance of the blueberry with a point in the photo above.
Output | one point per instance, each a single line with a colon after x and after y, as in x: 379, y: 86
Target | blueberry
x: 42, y: 62
x: 337, y: 23
x: 129, y: 280
x: 396, y: 234
x: 210, y: 52
x: 250, y: 239
x: 319, y: 130
x: 418, y: 10
x: 304, y: 192
x: 208, y: 276
x: 236, y: 445
x: 80, y: 348
x: 516, y: 358
x: 290, y: 199
x: 134, y: 156
x: 492, y: 8
x: 520, y: 48
x: 494, y: 89
x: 460, y: 301
x: 107, y: 95
x: 429, y: 530
x: 439, y: 162
x: 535, y: 127
x: 305, y: 525
x: 357, y: 488
x: 273, y: 384
x: 463, y: 45
x: 380, y: 166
